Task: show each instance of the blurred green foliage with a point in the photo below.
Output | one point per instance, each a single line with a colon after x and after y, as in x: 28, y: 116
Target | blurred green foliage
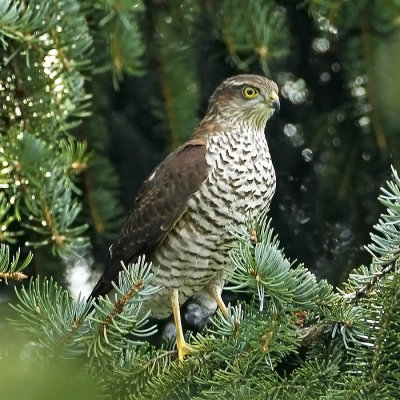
x: 94, y: 94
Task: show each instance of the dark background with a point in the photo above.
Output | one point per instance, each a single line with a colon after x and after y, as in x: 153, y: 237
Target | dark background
x: 329, y: 165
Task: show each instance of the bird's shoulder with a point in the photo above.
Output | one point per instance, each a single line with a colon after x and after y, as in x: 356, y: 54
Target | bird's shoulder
x: 181, y: 172
x: 162, y: 199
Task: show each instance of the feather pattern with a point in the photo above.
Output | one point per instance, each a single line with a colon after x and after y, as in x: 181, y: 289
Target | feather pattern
x: 183, y: 215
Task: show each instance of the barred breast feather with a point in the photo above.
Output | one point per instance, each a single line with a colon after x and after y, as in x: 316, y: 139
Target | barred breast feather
x: 195, y: 253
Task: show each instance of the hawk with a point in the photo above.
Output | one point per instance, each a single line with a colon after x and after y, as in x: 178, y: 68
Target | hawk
x: 183, y: 215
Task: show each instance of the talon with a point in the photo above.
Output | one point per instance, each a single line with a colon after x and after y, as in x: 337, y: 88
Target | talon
x: 182, y: 347
x: 183, y: 350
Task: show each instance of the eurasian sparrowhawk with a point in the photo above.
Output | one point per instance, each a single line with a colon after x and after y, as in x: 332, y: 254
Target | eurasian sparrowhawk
x: 184, y: 213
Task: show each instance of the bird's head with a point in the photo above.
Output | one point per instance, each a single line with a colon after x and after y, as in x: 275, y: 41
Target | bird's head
x: 248, y: 99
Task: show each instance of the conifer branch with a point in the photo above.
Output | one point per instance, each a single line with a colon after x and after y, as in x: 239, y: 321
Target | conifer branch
x: 120, y: 304
x: 365, y: 290
x: 68, y: 336
x: 312, y: 334
x: 13, y: 276
x: 252, y: 31
x: 114, y: 323
x: 11, y: 269
x: 385, y: 246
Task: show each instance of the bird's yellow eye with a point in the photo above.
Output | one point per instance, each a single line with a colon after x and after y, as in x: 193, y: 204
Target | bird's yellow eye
x: 249, y: 92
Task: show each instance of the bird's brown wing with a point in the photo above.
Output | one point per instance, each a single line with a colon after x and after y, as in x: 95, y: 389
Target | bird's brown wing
x: 159, y: 204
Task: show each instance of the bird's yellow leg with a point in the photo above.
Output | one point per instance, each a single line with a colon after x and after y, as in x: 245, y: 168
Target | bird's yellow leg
x: 182, y: 347
x: 215, y: 293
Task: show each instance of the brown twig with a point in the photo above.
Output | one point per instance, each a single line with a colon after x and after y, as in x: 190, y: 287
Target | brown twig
x: 366, y: 289
x: 119, y: 305
x: 65, y: 339
x: 13, y: 276
x: 312, y: 333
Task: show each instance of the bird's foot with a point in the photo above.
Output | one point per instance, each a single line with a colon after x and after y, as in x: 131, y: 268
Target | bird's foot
x: 184, y: 349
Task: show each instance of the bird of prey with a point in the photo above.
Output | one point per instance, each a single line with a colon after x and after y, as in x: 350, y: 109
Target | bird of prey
x: 183, y: 215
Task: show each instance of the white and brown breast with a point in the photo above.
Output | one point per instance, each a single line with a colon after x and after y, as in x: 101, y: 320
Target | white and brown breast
x: 195, y: 252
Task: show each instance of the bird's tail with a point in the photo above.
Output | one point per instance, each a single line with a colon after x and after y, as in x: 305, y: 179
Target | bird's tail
x: 101, y: 288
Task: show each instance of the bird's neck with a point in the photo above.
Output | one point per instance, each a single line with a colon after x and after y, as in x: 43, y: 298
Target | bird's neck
x: 232, y: 126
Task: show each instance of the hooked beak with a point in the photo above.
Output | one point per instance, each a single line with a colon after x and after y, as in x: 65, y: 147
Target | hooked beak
x: 274, y: 101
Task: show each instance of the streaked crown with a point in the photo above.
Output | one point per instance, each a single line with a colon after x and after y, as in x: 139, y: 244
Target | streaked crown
x: 247, y: 99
